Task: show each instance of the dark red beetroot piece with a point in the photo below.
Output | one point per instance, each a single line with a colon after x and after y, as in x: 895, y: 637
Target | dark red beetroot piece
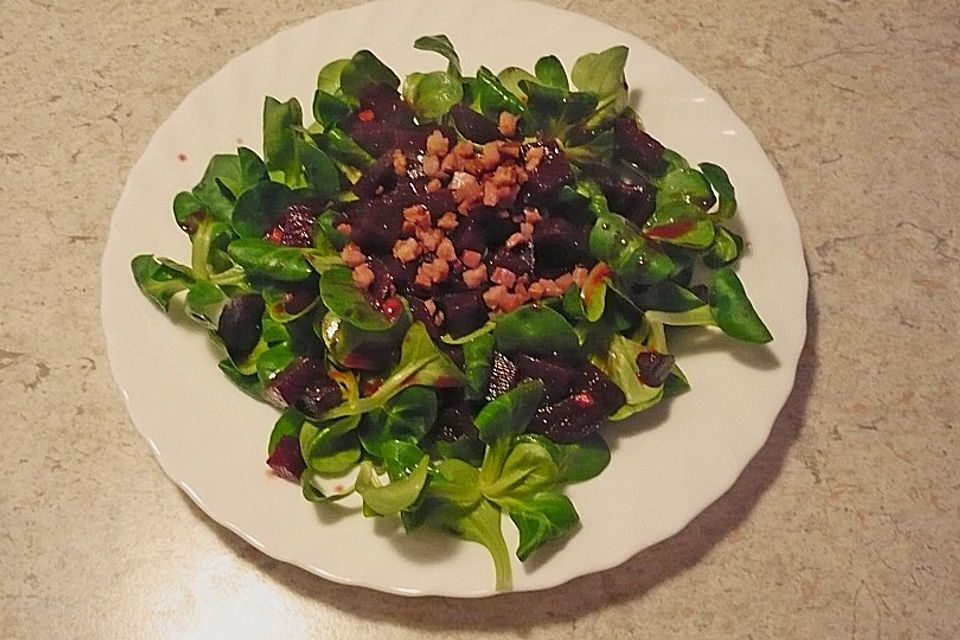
x: 463, y: 312
x: 379, y: 178
x: 552, y: 173
x: 594, y: 397
x: 474, y: 126
x: 629, y: 195
x: 420, y: 313
x: 503, y: 376
x: 557, y: 377
x: 520, y: 260
x: 559, y: 245
x: 654, y: 367
x: 381, y: 289
x: 286, y: 459
x: 295, y: 227
x: 637, y: 146
x: 454, y: 417
x: 240, y: 325
x: 305, y: 385
x: 469, y: 235
x: 376, y: 224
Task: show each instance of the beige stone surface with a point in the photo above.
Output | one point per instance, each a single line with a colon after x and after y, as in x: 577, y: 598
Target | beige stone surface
x: 846, y: 525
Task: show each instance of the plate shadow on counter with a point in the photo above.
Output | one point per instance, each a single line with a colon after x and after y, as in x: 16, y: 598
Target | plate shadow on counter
x: 576, y: 598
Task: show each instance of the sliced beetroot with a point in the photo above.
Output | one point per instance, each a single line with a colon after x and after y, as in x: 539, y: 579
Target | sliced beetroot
x: 637, y: 146
x: 382, y: 287
x: 559, y: 245
x: 568, y: 420
x: 319, y: 396
x: 454, y: 417
x: 295, y: 227
x: 469, y: 235
x: 520, y: 260
x: 503, y: 376
x: 240, y: 325
x: 473, y: 125
x: 377, y: 138
x: 379, y: 178
x: 552, y: 173
x: 382, y: 103
x: 438, y: 203
x: 414, y: 139
x: 286, y: 459
x: 463, y: 312
x: 401, y: 273
x: 605, y: 393
x: 557, y: 377
x: 630, y: 195
x: 290, y: 384
x: 654, y: 367
x: 376, y: 224
x: 420, y: 313
x: 584, y: 411
x: 497, y: 224
x: 299, y: 296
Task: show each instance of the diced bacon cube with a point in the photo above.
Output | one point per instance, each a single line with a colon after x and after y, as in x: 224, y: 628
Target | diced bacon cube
x: 471, y: 259
x: 363, y: 276
x: 473, y: 278
x: 406, y: 250
x: 493, y: 296
x: 352, y: 255
x: 446, y: 251
x: 504, y: 276
x: 507, y: 124
x: 437, y: 144
x: 448, y: 221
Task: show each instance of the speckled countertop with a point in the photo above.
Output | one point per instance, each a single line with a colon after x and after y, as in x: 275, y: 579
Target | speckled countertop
x: 847, y: 524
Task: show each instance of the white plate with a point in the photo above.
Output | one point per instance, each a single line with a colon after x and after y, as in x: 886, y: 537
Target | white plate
x: 210, y: 438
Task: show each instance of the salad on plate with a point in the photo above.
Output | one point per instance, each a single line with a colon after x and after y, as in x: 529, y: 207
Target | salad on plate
x: 451, y: 285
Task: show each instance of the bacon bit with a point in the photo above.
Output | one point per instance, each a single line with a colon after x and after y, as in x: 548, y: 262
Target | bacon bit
x: 431, y: 166
x: 564, y: 281
x: 445, y: 250
x: 399, y: 162
x: 448, y: 221
x: 494, y: 295
x: 473, y: 278
x: 507, y: 124
x: 464, y: 149
x: 511, y: 149
x: 516, y: 240
x: 490, y: 155
x: 437, y: 144
x: 531, y: 215
x: 367, y: 115
x: 430, y: 306
x: 509, y: 302
x: 363, y: 276
x: 550, y: 288
x: 471, y: 259
x: 526, y: 229
x: 536, y: 290
x: 431, y: 272
x: 579, y: 276
x: 430, y: 240
x: 433, y: 186
x: 352, y: 255
x: 418, y: 216
x: 451, y: 162
x: 467, y: 192
x: 406, y: 250
x: 345, y: 228
x: 504, y: 276
x: 505, y: 176
x: 533, y: 158
x: 491, y: 195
